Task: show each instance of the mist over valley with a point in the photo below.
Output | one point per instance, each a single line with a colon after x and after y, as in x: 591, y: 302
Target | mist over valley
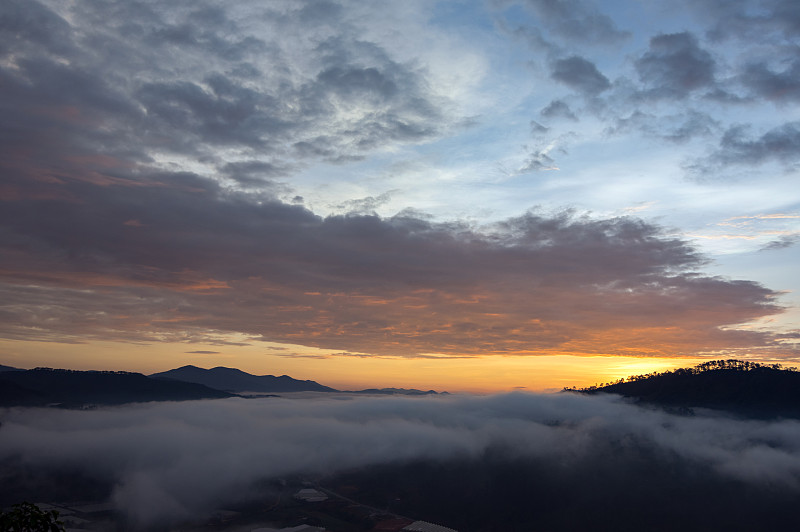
x: 563, y: 461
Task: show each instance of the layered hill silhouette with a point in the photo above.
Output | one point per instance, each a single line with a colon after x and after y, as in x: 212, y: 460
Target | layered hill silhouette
x: 396, y: 391
x: 238, y: 381
x: 744, y: 388
x: 75, y: 389
x: 235, y: 380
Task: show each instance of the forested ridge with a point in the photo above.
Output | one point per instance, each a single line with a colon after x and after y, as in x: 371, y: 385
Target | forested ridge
x: 742, y: 387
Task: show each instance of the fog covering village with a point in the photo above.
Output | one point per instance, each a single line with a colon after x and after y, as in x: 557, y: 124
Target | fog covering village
x: 170, y: 462
x: 344, y: 461
x: 492, y: 198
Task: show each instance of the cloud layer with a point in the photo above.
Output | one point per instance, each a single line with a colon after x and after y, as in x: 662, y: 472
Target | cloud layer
x: 150, y: 154
x: 175, y: 460
x: 139, y: 260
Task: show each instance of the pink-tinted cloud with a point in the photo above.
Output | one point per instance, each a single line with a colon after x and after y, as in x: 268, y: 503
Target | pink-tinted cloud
x: 100, y: 238
x: 202, y: 259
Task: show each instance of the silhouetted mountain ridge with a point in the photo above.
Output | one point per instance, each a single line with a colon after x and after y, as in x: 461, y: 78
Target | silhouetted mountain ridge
x: 71, y: 388
x: 740, y: 387
x: 236, y: 380
x: 396, y: 391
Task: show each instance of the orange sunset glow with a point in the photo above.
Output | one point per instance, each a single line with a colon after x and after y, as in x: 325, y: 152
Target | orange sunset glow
x: 479, y: 374
x: 371, y: 211
x: 399, y: 266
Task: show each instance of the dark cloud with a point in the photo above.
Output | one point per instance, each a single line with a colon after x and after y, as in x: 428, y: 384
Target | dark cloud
x: 785, y: 241
x: 726, y: 96
x: 674, y: 128
x: 358, y: 83
x: 203, y: 352
x: 675, y: 66
x: 177, y: 256
x: 558, y: 109
x: 172, y: 461
x: 28, y: 25
x: 131, y: 79
x: 539, y: 156
x: 748, y: 19
x: 782, y: 86
x: 576, y: 21
x: 255, y: 172
x: 537, y: 128
x: 366, y: 205
x: 781, y: 144
x: 225, y: 114
x: 531, y: 36
x: 536, y: 161
x: 579, y: 74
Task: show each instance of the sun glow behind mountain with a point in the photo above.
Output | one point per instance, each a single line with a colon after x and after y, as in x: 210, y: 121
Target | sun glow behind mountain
x: 481, y: 374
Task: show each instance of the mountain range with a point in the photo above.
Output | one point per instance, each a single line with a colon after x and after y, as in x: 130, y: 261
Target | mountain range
x: 70, y: 388
x: 235, y: 380
x: 397, y: 391
x: 743, y: 388
x: 238, y: 381
x: 78, y: 389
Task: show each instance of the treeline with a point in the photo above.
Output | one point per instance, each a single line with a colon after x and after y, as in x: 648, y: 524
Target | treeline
x: 712, y: 365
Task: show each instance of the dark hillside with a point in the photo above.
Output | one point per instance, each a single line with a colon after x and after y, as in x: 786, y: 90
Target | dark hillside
x: 235, y: 380
x: 45, y: 386
x: 744, y: 388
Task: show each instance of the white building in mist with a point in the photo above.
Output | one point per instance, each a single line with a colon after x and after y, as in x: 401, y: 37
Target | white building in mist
x: 310, y: 495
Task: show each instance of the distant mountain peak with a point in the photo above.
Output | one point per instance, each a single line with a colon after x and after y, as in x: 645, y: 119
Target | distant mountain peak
x: 397, y: 391
x: 236, y: 380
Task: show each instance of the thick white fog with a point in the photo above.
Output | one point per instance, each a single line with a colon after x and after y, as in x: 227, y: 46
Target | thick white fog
x: 172, y: 460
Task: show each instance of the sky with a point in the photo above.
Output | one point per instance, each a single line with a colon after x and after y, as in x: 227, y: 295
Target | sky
x: 463, y: 195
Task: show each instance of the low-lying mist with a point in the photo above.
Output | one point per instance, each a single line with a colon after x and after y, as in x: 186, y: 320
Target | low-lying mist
x: 170, y: 461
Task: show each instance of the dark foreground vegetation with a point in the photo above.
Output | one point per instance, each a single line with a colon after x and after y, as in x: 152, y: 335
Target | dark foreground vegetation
x: 744, y: 388
x: 27, y: 517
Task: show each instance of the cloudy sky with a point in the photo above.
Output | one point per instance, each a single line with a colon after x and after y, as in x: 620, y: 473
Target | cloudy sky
x: 462, y: 194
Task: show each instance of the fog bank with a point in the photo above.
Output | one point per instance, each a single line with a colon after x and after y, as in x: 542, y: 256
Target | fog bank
x: 172, y: 460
